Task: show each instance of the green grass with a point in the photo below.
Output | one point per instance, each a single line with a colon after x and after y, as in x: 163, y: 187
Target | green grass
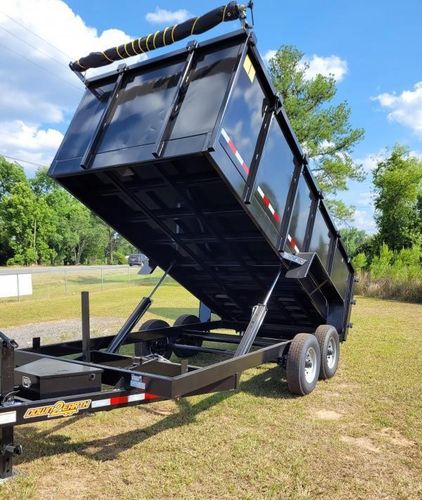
x: 357, y: 435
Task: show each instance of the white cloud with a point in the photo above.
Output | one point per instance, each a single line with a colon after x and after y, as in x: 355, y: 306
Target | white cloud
x: 328, y: 66
x: 416, y: 154
x: 269, y: 55
x: 29, y: 142
x: 163, y: 16
x: 371, y: 160
x: 406, y: 108
x: 364, y: 219
x: 37, y: 88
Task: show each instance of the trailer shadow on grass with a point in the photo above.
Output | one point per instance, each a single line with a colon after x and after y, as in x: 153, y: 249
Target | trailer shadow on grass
x: 41, y: 443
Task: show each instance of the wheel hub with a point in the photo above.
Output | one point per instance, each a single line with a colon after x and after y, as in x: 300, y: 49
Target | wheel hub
x: 310, y: 365
x: 331, y: 354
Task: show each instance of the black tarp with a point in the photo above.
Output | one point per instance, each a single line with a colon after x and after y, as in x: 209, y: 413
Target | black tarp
x: 193, y: 26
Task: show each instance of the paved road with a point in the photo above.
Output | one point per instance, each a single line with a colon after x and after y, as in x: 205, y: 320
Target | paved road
x: 58, y: 269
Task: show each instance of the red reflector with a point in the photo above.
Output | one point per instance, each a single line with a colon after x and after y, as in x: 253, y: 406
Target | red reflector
x: 118, y: 400
x: 148, y: 395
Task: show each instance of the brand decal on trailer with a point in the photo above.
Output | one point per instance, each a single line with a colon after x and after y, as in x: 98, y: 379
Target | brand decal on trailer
x: 59, y: 409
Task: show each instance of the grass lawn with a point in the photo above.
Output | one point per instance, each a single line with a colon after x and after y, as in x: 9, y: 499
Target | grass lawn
x: 358, y: 435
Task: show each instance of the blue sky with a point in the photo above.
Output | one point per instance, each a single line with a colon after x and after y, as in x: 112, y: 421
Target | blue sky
x: 373, y: 48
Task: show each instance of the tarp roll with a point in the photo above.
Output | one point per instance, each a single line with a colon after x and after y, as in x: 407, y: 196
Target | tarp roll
x: 193, y: 26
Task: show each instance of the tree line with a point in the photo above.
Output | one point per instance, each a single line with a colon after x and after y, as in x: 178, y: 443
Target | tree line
x: 41, y: 223
x: 390, y: 261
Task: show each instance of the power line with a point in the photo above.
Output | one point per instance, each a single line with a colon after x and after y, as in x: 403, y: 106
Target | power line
x: 36, y: 34
x: 40, y: 66
x: 32, y: 46
x: 22, y: 161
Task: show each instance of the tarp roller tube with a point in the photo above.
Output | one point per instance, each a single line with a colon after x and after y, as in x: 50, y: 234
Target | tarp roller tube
x: 168, y: 36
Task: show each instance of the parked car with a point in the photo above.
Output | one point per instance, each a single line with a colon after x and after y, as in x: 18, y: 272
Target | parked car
x: 137, y: 259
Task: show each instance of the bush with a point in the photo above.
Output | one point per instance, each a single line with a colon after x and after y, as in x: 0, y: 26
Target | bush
x: 392, y: 275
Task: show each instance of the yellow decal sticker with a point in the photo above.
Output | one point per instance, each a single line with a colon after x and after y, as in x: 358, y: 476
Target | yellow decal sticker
x: 59, y: 409
x: 249, y: 68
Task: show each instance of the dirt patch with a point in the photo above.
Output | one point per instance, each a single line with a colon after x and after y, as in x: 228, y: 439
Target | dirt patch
x: 328, y: 415
x: 362, y: 442
x: 394, y: 437
x: 165, y: 412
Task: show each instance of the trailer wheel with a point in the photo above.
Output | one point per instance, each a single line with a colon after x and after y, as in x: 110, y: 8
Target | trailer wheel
x: 160, y: 346
x: 329, y: 344
x: 303, y: 364
x: 186, y: 319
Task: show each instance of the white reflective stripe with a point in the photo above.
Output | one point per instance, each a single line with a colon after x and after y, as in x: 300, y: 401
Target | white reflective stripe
x: 100, y: 403
x: 238, y: 157
x: 261, y: 192
x: 296, y: 249
x: 135, y: 397
x: 9, y: 417
x: 271, y: 209
x: 289, y: 238
x: 225, y: 135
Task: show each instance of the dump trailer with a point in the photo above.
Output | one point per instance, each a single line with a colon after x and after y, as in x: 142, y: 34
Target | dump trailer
x: 190, y: 156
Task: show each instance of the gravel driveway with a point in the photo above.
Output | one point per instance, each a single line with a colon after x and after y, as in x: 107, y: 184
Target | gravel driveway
x: 59, y: 331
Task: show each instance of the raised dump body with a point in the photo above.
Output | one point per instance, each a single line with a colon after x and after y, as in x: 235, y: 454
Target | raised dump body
x: 190, y: 156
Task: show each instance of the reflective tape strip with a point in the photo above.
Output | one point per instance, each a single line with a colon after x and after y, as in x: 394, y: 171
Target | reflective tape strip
x: 267, y: 203
x: 9, y: 417
x: 118, y: 400
x: 293, y: 245
x: 235, y: 151
x: 100, y: 403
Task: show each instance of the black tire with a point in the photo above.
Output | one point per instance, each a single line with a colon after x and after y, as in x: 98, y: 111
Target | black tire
x: 303, y: 364
x: 329, y: 344
x: 160, y: 346
x: 186, y: 319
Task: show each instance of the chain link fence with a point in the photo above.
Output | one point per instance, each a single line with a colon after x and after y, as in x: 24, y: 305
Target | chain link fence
x: 25, y: 284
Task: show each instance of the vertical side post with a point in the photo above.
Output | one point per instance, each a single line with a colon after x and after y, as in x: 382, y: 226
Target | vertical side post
x: 7, y: 371
x: 259, y: 147
x: 85, y: 326
x: 291, y: 199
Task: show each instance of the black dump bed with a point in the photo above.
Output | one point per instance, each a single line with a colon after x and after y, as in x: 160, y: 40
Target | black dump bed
x: 191, y: 158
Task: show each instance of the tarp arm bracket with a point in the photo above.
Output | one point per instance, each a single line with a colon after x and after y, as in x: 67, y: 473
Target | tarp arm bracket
x: 250, y: 181
x: 95, y: 139
x: 174, y: 108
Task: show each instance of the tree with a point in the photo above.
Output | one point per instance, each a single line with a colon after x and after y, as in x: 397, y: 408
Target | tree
x: 398, y: 199
x: 26, y: 224
x: 323, y: 129
x: 353, y: 239
x: 10, y: 174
